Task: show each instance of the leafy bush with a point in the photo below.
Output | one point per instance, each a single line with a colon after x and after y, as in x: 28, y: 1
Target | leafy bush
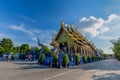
x: 65, y: 59
x: 54, y: 59
x: 42, y: 58
x: 77, y: 59
x: 118, y: 57
x: 89, y: 59
x: 84, y: 59
x: 2, y: 50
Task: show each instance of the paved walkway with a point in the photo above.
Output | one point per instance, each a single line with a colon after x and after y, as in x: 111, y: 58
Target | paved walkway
x: 102, y: 70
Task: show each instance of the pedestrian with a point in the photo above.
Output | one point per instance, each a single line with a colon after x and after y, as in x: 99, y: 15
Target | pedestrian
x: 9, y: 57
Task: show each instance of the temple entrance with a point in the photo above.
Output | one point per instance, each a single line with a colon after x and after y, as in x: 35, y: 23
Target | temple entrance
x: 64, y: 47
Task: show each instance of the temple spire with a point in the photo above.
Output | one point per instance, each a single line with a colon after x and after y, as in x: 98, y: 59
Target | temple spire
x: 62, y: 25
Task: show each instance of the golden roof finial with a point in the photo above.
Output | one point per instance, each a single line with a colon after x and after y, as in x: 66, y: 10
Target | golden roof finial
x: 62, y: 24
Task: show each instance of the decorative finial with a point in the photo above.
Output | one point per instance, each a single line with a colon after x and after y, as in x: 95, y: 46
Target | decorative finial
x: 62, y: 24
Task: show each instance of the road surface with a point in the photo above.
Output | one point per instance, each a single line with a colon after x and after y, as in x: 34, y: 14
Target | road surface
x: 102, y: 70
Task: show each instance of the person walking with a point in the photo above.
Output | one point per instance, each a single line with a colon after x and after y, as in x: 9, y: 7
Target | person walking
x: 9, y: 57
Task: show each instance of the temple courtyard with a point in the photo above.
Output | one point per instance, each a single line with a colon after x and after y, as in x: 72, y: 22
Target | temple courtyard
x: 21, y: 70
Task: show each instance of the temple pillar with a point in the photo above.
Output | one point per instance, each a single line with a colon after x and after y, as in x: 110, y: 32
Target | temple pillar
x: 75, y: 49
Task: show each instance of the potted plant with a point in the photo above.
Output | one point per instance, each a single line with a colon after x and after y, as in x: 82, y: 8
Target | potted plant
x: 54, y: 60
x: 77, y: 59
x: 84, y: 59
x: 41, y: 61
x: 65, y: 60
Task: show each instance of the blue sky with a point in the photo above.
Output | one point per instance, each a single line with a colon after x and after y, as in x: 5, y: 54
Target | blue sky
x: 24, y: 20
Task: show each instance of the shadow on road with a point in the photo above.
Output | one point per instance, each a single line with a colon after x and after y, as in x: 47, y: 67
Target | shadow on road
x: 31, y: 65
x: 26, y: 63
x: 111, y: 65
x: 35, y: 67
x: 109, y: 76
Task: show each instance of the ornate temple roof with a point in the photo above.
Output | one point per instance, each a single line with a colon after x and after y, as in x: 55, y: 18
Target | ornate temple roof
x: 73, y: 34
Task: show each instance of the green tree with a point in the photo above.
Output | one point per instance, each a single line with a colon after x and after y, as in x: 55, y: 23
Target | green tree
x: 14, y: 50
x: 18, y: 49
x: 100, y: 51
x: 25, y: 48
x: 2, y: 50
x: 37, y: 50
x: 46, y: 50
x: 116, y: 48
x: 7, y: 44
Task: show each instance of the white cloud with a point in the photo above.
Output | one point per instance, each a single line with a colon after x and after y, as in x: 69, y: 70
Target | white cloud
x: 94, y: 26
x: 93, y: 32
x: 101, y: 30
x: 104, y: 29
x: 98, y: 26
x: 89, y: 19
x: 34, y: 39
x: 17, y: 43
x: 83, y: 19
x: 49, y: 46
x: 107, y: 37
x: 27, y: 18
x: 21, y: 28
x: 45, y: 36
x: 111, y: 17
x: 5, y: 36
x: 92, y: 18
x: 36, y: 31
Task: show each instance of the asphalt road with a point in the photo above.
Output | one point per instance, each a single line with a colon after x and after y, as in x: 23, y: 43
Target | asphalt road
x: 18, y: 70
